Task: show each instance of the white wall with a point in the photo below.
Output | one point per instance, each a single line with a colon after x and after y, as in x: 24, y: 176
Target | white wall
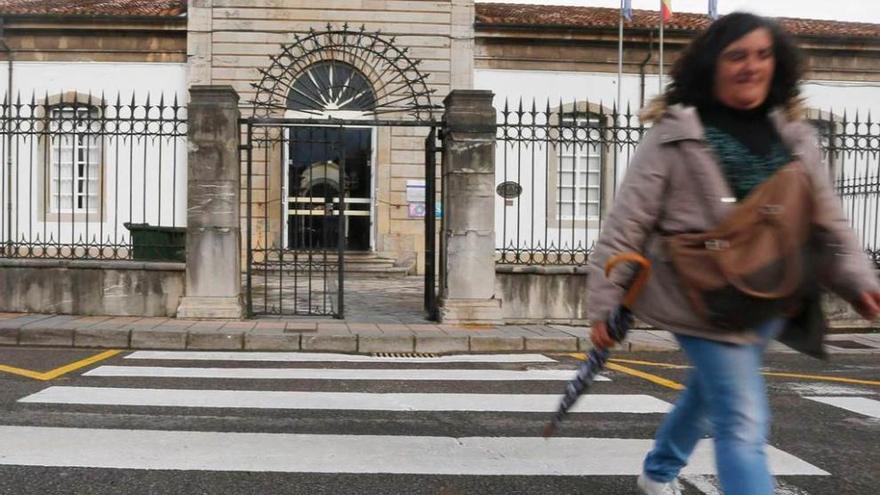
x: 552, y: 86
x: 144, y: 180
x: 524, y: 223
x: 543, y: 87
x: 54, y: 77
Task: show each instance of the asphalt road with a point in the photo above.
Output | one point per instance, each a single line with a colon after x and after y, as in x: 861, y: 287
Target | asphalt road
x: 209, y: 435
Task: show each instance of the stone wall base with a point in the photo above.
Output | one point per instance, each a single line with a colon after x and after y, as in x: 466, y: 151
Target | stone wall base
x: 558, y: 294
x: 113, y: 288
x: 471, y: 311
x: 211, y: 308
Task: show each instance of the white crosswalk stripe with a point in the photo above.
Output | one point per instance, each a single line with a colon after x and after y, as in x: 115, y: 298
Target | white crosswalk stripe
x: 365, y: 387
x: 414, y: 374
x: 636, y: 404
x: 259, y: 452
x: 861, y: 405
x: 291, y: 357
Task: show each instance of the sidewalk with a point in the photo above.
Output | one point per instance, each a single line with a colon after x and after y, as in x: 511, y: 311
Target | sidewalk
x: 334, y: 336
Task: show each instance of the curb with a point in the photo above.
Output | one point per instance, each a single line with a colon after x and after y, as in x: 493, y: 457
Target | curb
x: 263, y: 340
x: 185, y: 337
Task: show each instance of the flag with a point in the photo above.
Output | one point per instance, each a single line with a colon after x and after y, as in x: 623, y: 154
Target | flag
x: 713, y: 9
x: 627, y: 10
x: 666, y: 9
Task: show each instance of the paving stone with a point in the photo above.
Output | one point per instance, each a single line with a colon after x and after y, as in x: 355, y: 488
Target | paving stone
x: 8, y: 336
x: 638, y: 344
x: 207, y: 326
x: 330, y: 343
x: 333, y: 328
x: 102, y: 337
x: 150, y: 322
x: 272, y: 341
x: 294, y: 326
x: 46, y: 336
x: 117, y: 323
x: 215, y: 340
x: 161, y: 337
x: 584, y: 344
x: 424, y: 328
x: 58, y: 322
x: 240, y: 325
x: 364, y: 327
x: 270, y: 325
x: 441, y: 344
x: 496, y: 343
x: 576, y: 332
x: 393, y: 327
x: 385, y: 343
x: 22, y: 320
x: 551, y: 344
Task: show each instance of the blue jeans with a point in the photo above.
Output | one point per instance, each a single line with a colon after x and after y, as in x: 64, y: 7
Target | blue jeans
x: 725, y: 396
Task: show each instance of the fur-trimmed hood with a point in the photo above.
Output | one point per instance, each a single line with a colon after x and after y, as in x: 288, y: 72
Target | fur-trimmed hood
x: 657, y: 108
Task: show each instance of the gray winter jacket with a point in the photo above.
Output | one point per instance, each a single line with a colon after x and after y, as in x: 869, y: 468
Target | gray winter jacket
x: 660, y: 194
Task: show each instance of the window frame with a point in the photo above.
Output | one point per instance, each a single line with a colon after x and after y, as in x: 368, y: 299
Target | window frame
x: 560, y: 150
x: 51, y: 139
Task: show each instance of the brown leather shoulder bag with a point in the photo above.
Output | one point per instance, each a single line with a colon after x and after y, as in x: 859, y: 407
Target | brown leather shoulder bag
x: 751, y: 266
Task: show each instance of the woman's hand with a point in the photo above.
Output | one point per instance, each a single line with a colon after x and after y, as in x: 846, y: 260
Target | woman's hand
x: 868, y: 305
x: 599, y: 336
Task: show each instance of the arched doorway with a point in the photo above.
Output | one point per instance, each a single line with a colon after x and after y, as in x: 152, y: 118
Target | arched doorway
x: 319, y: 110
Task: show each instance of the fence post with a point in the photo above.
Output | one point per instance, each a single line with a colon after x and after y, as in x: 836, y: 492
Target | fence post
x: 467, y: 285
x: 213, y: 236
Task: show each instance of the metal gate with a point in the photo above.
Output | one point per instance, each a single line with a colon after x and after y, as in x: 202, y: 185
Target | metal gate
x: 299, y: 230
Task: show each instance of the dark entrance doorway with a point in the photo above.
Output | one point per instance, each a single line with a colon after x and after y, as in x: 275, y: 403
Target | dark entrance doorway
x: 314, y: 185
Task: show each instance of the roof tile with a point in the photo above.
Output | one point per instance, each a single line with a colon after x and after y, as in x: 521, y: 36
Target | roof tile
x: 115, y: 8
x: 508, y: 14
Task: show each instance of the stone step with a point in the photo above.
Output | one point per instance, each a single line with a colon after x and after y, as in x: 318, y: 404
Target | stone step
x: 361, y: 264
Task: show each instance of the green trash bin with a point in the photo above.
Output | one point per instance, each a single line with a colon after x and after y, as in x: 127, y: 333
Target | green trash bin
x: 155, y: 243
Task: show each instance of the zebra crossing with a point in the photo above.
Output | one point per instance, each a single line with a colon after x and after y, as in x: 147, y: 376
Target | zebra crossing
x: 517, y: 388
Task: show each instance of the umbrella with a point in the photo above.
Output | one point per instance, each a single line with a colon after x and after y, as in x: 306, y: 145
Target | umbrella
x: 619, y: 322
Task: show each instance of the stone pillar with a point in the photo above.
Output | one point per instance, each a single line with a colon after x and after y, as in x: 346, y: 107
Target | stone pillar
x: 199, y: 26
x: 467, y: 288
x: 213, y: 234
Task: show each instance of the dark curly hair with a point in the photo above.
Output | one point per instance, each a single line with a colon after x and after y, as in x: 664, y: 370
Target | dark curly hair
x: 693, y: 74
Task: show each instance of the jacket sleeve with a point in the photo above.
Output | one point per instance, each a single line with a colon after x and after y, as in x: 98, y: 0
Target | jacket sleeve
x: 632, y: 219
x: 847, y: 271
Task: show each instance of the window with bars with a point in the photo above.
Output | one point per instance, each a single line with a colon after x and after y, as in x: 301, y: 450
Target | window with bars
x: 74, y: 163
x: 578, y: 184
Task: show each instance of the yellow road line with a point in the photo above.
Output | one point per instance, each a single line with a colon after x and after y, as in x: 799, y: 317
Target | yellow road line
x: 824, y: 378
x: 659, y: 380
x: 67, y: 368
x: 651, y: 363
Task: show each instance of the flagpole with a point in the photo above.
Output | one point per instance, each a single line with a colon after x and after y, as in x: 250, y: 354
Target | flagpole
x: 620, y: 57
x: 661, y: 46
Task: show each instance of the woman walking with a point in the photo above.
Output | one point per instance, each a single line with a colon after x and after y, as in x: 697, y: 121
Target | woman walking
x: 727, y: 122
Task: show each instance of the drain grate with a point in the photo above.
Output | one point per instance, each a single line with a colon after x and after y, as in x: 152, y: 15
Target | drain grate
x: 849, y: 344
x: 405, y: 355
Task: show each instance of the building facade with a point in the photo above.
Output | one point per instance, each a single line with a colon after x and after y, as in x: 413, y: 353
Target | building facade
x: 372, y: 74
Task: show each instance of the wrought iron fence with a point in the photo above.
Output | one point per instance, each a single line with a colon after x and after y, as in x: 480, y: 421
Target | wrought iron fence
x: 851, y: 146
x: 80, y: 175
x: 558, y: 166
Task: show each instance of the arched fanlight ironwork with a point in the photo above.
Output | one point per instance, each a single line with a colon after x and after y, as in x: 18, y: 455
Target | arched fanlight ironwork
x: 333, y: 72
x: 331, y: 86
